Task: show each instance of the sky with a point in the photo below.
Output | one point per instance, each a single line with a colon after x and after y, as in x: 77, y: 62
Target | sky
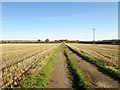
x: 59, y: 20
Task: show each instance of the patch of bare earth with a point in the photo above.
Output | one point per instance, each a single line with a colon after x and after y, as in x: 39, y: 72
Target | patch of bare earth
x: 60, y: 78
x: 93, y: 75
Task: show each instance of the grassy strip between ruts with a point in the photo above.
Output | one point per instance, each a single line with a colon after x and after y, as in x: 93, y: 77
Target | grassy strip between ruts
x: 40, y: 79
x: 110, y: 70
x: 78, y: 77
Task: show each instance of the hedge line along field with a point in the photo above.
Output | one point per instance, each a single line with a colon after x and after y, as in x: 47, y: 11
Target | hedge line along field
x: 59, y: 65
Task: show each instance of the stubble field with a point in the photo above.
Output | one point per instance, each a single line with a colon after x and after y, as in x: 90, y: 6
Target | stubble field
x: 59, y: 65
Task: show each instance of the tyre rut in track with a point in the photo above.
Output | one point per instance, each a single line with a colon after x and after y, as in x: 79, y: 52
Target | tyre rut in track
x: 60, y: 78
x: 93, y: 75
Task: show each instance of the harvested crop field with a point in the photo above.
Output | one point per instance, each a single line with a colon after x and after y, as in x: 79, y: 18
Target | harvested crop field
x: 105, y: 53
x: 59, y: 65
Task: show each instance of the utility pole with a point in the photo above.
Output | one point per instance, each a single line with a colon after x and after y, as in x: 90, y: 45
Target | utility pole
x: 93, y: 36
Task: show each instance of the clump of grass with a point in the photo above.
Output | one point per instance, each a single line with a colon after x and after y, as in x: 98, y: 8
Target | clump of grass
x: 78, y: 77
x: 40, y: 80
x: 110, y: 70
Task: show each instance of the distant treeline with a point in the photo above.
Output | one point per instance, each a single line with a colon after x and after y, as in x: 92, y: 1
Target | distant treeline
x: 114, y: 42
x: 25, y: 42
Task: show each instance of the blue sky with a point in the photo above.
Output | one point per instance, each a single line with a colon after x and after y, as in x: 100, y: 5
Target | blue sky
x: 32, y: 21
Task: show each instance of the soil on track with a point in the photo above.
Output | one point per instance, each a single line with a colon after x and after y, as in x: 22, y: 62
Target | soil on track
x: 60, y: 75
x: 93, y: 75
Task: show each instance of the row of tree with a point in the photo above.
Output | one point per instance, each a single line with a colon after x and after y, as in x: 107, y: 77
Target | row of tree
x: 46, y: 40
x: 59, y: 41
x: 115, y: 41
